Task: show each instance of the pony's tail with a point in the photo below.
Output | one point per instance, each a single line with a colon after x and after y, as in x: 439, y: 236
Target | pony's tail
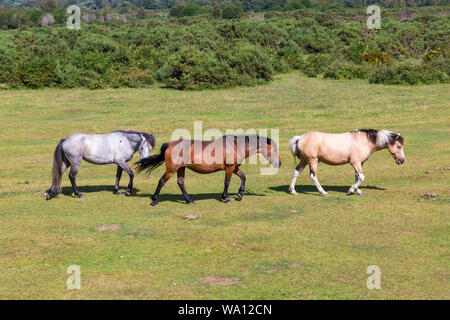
x: 56, y: 170
x: 294, y: 146
x: 152, y: 162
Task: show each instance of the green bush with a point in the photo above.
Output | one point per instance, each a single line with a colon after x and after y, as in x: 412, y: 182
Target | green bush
x: 66, y: 75
x: 197, y: 52
x: 290, y: 52
x: 191, y: 68
x: 409, y: 74
x: 316, y: 64
x: 131, y: 77
x: 232, y: 12
x: 341, y: 70
x: 189, y: 10
x: 37, y: 72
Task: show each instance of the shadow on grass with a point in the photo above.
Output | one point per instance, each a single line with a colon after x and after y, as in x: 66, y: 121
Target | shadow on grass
x: 68, y: 191
x: 310, y: 189
x: 197, y: 196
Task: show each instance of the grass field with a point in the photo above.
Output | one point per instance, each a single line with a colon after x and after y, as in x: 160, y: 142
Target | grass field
x: 272, y: 245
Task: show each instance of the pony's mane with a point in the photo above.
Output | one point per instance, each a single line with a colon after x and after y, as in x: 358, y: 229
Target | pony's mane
x: 148, y: 137
x: 381, y: 138
x: 247, y: 137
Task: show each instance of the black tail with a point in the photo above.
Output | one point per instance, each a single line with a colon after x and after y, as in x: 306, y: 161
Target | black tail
x: 152, y: 162
x: 56, y: 171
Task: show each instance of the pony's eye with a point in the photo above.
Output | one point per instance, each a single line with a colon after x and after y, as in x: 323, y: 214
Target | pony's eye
x: 399, y: 147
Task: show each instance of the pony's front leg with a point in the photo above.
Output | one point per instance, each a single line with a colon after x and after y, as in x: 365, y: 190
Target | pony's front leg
x: 359, y: 178
x: 313, y: 168
x: 228, y: 174
x: 241, y: 175
x: 118, y: 176
x: 180, y: 181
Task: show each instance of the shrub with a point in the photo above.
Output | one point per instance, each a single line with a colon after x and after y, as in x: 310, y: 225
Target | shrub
x: 131, y: 77
x: 375, y: 57
x: 66, y: 75
x: 195, y: 51
x: 232, y: 12
x: 249, y: 62
x: 346, y: 70
x: 409, y: 74
x: 191, y: 68
x: 290, y: 52
x: 37, y: 72
x: 315, y: 64
x: 189, y: 10
x: 95, y: 43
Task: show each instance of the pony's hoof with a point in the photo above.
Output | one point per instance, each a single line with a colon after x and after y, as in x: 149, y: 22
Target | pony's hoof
x: 191, y: 203
x: 325, y: 194
x: 48, y: 196
x: 351, y: 191
x: 154, y: 204
x: 293, y: 192
x: 227, y: 200
x: 128, y: 193
x: 118, y: 192
x: 240, y: 196
x: 80, y: 196
x: 359, y: 192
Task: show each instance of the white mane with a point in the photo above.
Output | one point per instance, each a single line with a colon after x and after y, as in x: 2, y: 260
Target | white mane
x: 383, y: 138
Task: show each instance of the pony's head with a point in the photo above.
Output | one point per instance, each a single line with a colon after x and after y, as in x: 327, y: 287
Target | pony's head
x: 269, y: 150
x: 386, y: 139
x: 395, y: 147
x: 147, y: 144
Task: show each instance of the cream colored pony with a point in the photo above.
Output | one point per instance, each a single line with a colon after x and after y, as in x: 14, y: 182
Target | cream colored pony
x: 352, y: 147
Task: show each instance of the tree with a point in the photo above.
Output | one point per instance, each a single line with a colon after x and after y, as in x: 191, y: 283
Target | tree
x: 216, y: 11
x: 48, y: 5
x: 232, y: 12
x: 293, y: 5
x: 99, y: 4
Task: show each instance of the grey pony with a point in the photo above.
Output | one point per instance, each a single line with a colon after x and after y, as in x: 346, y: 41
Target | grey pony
x: 115, y: 147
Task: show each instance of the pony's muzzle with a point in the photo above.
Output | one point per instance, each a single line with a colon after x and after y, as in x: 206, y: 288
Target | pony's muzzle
x: 276, y: 164
x: 399, y: 161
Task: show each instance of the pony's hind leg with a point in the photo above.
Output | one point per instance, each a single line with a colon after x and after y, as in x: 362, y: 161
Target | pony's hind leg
x: 297, y: 171
x: 241, y: 175
x: 228, y: 174
x: 124, y: 166
x: 53, y: 189
x: 180, y: 181
x: 74, y: 166
x: 161, y: 183
x: 118, y: 176
x: 313, y: 169
x: 359, y: 178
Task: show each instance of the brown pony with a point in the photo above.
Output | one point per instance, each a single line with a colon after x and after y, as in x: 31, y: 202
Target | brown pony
x: 352, y: 147
x: 226, y: 153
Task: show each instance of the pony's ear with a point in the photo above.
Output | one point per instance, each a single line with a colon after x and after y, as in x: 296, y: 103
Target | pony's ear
x: 269, y: 141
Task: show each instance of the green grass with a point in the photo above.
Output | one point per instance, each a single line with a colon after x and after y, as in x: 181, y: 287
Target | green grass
x: 274, y: 245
